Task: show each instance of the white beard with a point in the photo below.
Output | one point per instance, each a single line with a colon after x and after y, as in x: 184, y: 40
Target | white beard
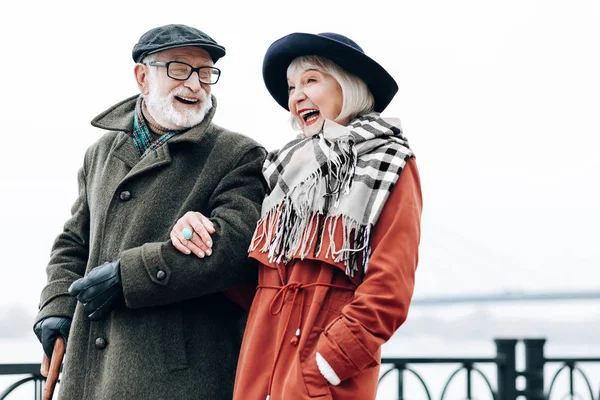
x: 163, y: 108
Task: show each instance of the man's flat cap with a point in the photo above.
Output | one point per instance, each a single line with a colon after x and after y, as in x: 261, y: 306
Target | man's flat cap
x: 173, y: 36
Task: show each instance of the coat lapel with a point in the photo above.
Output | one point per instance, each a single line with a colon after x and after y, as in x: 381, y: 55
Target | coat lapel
x: 126, y: 151
x: 155, y: 159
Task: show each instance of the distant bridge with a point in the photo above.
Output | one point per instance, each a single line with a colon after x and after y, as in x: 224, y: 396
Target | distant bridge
x: 505, y: 297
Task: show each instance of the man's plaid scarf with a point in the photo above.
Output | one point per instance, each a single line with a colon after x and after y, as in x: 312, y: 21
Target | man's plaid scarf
x: 342, y: 175
x: 142, y: 137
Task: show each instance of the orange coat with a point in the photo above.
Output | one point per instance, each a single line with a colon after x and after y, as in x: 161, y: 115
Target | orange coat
x: 311, y: 305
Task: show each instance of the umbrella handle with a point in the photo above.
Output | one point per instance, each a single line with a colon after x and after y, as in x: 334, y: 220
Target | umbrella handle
x: 51, y: 368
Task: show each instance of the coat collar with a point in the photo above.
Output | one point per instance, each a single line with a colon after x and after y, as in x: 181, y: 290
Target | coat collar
x: 120, y: 118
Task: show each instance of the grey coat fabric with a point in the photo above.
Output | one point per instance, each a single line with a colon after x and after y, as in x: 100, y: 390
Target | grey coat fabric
x: 178, y: 336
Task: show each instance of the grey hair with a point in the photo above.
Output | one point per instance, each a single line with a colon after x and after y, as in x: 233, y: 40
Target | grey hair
x: 146, y: 61
x: 148, y: 58
x: 357, y: 98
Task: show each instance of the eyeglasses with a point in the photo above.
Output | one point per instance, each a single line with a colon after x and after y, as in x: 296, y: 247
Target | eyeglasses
x: 181, y: 71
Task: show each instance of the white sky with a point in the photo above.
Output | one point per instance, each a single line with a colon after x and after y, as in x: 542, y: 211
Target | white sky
x: 500, y: 101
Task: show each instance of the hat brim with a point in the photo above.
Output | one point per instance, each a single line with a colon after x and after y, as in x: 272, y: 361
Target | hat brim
x: 215, y: 51
x: 282, y: 52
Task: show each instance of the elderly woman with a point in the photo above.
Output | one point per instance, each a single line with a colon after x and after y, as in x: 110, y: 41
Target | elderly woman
x: 337, y: 244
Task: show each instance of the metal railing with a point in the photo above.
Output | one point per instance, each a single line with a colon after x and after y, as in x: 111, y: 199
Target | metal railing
x: 501, y: 386
x: 505, y: 383
x: 504, y: 361
x: 32, y: 372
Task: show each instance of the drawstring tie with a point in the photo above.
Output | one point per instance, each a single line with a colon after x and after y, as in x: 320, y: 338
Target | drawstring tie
x: 276, y: 308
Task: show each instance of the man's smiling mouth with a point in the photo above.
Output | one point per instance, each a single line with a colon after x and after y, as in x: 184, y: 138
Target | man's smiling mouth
x: 186, y: 100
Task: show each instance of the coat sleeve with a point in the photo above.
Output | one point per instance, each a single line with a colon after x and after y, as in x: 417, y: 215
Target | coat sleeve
x: 350, y: 343
x: 157, y: 273
x: 68, y: 258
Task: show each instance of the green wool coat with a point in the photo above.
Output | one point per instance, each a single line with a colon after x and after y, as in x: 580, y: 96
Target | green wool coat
x: 178, y: 336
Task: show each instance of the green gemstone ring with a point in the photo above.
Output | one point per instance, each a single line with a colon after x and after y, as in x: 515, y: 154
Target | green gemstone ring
x: 187, y: 233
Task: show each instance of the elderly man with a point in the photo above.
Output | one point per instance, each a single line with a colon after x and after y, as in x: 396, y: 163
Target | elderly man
x: 149, y: 322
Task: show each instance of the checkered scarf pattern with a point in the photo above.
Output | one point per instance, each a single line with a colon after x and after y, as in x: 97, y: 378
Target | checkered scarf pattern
x: 342, y: 175
x: 141, y: 133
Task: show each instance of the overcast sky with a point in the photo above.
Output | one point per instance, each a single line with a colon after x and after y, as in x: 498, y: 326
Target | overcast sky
x: 500, y: 102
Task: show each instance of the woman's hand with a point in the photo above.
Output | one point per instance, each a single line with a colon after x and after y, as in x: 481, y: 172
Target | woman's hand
x: 200, y: 228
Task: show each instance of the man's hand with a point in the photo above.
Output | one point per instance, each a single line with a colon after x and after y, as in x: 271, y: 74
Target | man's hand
x: 100, y: 291
x: 198, y: 229
x: 48, y: 329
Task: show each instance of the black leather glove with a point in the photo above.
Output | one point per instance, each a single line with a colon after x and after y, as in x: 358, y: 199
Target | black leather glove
x: 100, y: 291
x: 48, y: 329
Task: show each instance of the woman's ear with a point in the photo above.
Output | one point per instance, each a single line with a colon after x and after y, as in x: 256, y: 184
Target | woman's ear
x: 141, y: 77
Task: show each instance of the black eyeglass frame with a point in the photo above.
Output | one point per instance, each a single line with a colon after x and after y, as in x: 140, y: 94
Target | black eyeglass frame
x: 197, y: 69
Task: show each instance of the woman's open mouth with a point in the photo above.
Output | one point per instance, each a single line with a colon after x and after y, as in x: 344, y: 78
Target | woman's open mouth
x: 309, y: 115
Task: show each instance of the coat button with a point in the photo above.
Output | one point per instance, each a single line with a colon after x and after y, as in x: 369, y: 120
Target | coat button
x: 125, y: 195
x: 100, y: 343
x: 160, y: 275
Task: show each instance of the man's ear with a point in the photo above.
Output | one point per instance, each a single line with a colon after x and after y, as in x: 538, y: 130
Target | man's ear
x: 141, y: 77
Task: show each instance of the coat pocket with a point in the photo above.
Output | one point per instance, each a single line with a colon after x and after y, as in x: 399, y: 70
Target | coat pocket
x: 316, y: 384
x: 173, y: 348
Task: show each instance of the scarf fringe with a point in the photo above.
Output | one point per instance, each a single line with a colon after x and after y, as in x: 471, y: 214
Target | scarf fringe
x: 286, y: 232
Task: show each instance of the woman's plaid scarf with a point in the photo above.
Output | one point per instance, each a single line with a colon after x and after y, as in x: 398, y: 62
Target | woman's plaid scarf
x: 342, y: 175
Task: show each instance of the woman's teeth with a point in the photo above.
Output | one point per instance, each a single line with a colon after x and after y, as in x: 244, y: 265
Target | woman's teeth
x: 312, y: 117
x: 309, y: 115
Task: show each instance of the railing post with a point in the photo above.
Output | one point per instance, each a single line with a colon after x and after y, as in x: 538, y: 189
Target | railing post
x: 506, y: 363
x: 400, y: 368
x: 534, y: 368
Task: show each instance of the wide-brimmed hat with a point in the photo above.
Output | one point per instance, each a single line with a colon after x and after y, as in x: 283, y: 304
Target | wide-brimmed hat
x: 173, y: 36
x: 335, y: 47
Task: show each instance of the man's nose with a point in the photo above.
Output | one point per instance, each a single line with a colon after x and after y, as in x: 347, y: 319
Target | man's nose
x: 193, y: 82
